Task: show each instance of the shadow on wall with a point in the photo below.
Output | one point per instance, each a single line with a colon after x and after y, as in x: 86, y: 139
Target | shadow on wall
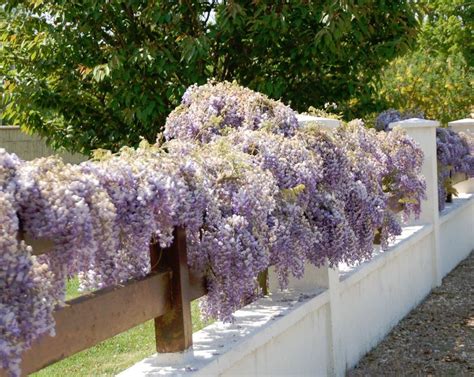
x: 29, y: 147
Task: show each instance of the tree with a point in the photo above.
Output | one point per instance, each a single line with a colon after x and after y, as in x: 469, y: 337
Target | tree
x: 88, y: 74
x: 438, y: 75
x: 448, y: 28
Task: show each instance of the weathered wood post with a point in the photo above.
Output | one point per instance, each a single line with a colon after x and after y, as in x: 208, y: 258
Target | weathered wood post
x: 173, y: 330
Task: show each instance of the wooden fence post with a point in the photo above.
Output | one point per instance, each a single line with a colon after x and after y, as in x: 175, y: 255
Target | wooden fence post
x: 174, y: 329
x: 263, y: 281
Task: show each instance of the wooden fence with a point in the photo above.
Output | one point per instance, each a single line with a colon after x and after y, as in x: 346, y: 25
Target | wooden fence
x: 164, y: 295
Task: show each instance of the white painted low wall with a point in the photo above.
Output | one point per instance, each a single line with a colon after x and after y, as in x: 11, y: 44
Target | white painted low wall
x: 378, y: 294
x: 28, y: 147
x: 293, y: 333
x: 457, y: 231
x: 269, y: 337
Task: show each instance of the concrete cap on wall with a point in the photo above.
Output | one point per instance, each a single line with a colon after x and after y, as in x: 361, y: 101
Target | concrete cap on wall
x: 304, y: 120
x: 462, y: 122
x: 8, y: 128
x: 414, y: 123
x: 462, y: 125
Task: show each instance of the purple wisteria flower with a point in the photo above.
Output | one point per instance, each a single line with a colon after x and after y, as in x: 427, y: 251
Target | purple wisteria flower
x: 455, y: 153
x: 251, y: 188
x: 391, y: 115
x: 217, y: 108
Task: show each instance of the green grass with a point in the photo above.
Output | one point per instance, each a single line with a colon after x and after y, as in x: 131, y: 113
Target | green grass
x: 115, y: 354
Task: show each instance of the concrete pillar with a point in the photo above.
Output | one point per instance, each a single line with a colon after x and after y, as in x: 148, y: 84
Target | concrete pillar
x: 336, y: 308
x: 423, y: 131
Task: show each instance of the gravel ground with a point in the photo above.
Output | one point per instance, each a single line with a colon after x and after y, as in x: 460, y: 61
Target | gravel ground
x: 435, y: 339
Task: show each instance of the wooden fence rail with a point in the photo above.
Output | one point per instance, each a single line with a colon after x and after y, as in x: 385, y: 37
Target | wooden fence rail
x: 164, y: 295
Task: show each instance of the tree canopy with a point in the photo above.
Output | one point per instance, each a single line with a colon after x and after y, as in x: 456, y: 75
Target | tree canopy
x: 448, y: 28
x: 437, y: 76
x: 89, y: 74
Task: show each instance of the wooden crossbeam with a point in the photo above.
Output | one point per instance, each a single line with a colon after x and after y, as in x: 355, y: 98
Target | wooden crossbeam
x: 92, y: 318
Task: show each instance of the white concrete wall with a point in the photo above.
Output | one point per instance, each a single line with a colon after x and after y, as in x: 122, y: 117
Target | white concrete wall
x: 29, y: 147
x: 294, y: 332
x: 326, y: 322
x: 380, y: 296
x: 458, y: 217
x: 456, y: 231
x: 295, y: 341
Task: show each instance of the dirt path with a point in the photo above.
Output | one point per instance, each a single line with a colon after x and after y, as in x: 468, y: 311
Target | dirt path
x: 435, y: 339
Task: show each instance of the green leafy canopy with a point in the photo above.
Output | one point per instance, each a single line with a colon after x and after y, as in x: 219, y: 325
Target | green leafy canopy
x: 100, y: 74
x: 437, y: 77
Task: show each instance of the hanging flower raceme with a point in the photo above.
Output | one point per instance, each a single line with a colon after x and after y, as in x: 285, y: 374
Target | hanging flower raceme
x: 152, y: 192
x: 327, y: 207
x: 26, y: 295
x: 389, y: 166
x: 57, y: 201
x: 232, y: 246
x: 367, y: 205
x: 403, y: 179
x: 297, y: 172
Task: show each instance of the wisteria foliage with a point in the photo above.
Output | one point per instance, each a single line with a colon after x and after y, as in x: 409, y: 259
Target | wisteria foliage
x: 251, y: 188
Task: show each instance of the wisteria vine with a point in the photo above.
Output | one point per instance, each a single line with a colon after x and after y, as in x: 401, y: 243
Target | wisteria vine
x: 455, y: 154
x: 251, y: 188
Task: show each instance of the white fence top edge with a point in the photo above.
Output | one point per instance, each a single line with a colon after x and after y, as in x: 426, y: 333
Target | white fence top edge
x: 415, y: 122
x: 304, y: 119
x: 462, y: 122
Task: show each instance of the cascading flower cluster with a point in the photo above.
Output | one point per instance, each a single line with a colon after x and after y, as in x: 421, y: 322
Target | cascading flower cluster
x: 455, y: 154
x: 25, y: 283
x: 252, y: 189
x: 101, y: 215
x: 297, y: 172
x: 385, y: 177
x: 403, y: 178
x: 339, y: 219
x: 217, y: 108
x: 231, y: 246
x: 386, y: 117
x: 366, y: 206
